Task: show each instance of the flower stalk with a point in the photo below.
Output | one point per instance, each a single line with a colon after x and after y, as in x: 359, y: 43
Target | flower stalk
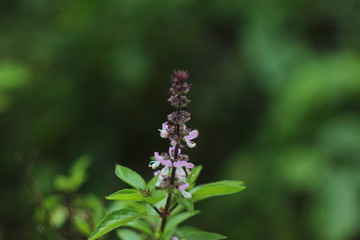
x: 175, y: 166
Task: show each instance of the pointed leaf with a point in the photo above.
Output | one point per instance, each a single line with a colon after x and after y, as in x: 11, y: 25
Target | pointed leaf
x: 192, y: 178
x: 126, y: 234
x: 225, y: 187
x: 186, y: 202
x: 200, y: 235
x: 156, y: 197
x: 179, y: 218
x: 135, y: 195
x: 140, y: 225
x: 126, y: 194
x: 115, y: 220
x: 150, y: 187
x: 130, y: 177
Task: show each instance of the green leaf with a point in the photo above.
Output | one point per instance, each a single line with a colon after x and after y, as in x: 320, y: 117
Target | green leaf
x: 168, y: 235
x: 187, y: 203
x: 151, y: 185
x: 130, y: 177
x: 179, y: 218
x: 156, y: 197
x: 126, y: 194
x: 140, y: 225
x: 192, y: 178
x: 225, y: 187
x: 135, y: 195
x: 115, y: 220
x: 199, y: 235
x: 126, y: 234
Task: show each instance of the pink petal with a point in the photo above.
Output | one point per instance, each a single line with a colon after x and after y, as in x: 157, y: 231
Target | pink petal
x: 173, y: 143
x: 193, y: 134
x: 158, y: 157
x: 183, y: 187
x: 166, y: 163
x: 163, y: 133
x: 172, y: 151
x: 179, y: 164
x: 189, y: 165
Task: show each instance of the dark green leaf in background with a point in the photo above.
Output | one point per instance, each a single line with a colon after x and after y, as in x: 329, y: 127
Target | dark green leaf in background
x: 77, y: 175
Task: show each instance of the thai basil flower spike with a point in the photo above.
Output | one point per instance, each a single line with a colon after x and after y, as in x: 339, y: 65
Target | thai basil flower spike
x: 172, y: 190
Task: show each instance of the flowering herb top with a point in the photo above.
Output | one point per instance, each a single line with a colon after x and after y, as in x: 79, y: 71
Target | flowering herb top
x: 175, y: 165
x: 170, y: 195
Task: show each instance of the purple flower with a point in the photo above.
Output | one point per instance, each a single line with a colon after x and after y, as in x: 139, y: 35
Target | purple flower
x: 163, y: 159
x: 174, y: 166
x: 167, y: 165
x: 180, y: 173
x: 159, y: 180
x: 164, y: 132
x: 182, y: 188
x: 181, y: 74
x: 192, y: 135
x: 156, y: 163
x: 172, y: 152
x: 179, y: 117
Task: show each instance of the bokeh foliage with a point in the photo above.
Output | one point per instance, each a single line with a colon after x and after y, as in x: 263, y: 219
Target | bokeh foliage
x: 275, y: 96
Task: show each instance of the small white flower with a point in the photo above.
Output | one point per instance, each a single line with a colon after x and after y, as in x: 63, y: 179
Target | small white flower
x: 156, y: 163
x: 164, y: 133
x: 180, y: 173
x: 183, y: 192
x: 192, y: 135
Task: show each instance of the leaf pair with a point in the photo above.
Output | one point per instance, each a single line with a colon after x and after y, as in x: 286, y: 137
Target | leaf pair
x: 147, y: 193
x: 142, y: 192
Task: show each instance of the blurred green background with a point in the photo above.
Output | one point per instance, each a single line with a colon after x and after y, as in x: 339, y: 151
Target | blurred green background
x: 275, y: 96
